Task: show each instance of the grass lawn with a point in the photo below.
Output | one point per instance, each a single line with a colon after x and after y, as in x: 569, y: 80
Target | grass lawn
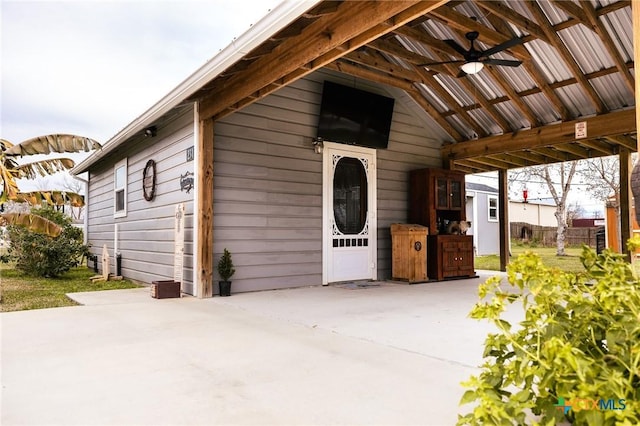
x: 570, y: 262
x: 20, y: 292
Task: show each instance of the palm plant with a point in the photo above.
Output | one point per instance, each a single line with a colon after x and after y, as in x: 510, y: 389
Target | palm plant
x: 10, y: 170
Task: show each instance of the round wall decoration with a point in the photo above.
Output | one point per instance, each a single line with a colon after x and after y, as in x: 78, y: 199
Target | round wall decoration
x: 149, y: 180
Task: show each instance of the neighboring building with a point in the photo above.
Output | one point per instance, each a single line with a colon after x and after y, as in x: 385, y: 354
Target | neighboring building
x: 483, y: 213
x: 535, y: 212
x: 587, y: 222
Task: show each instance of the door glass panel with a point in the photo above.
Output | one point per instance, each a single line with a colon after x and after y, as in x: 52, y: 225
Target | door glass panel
x: 456, y: 194
x: 350, y: 196
x: 442, y: 193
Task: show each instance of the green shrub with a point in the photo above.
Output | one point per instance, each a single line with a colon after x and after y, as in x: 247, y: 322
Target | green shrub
x: 576, y: 354
x: 40, y: 255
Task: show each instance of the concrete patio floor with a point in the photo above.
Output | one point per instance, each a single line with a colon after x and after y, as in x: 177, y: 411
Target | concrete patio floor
x: 387, y: 354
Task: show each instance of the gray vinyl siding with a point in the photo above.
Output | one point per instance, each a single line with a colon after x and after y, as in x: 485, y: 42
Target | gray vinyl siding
x: 488, y: 232
x: 267, y: 189
x: 268, y: 184
x: 146, y: 234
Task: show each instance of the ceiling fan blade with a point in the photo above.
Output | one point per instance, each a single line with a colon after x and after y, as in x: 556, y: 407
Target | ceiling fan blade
x: 501, y: 47
x: 428, y: 64
x: 503, y: 62
x: 461, y: 50
x: 461, y: 74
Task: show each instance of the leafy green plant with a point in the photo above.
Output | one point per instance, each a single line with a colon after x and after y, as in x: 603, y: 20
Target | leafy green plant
x: 41, y: 255
x: 576, y: 354
x: 225, y: 266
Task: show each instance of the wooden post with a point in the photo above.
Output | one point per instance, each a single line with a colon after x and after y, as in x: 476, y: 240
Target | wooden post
x: 625, y: 200
x: 503, y: 214
x: 106, y: 263
x: 635, y: 11
x: 204, y: 250
x: 178, y: 243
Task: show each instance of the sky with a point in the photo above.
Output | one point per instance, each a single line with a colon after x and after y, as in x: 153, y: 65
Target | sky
x: 91, y: 67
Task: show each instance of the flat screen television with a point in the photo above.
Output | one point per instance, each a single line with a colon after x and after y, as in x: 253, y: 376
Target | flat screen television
x: 355, y: 117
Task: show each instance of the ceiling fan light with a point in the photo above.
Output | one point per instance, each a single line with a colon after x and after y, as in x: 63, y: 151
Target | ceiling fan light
x: 472, y: 67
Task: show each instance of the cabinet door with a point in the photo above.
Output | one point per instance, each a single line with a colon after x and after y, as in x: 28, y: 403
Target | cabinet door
x: 450, y: 262
x: 465, y: 258
x: 442, y: 193
x: 456, y: 191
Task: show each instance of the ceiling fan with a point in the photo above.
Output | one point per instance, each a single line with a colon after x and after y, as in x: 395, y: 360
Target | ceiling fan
x: 474, y: 59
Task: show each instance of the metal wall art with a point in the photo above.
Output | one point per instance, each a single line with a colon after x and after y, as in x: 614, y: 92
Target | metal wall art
x: 186, y: 182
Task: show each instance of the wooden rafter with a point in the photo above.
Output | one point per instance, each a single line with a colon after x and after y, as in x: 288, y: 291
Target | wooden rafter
x: 423, y: 37
x: 510, y: 15
x: 588, y: 17
x: 331, y: 36
x: 566, y: 56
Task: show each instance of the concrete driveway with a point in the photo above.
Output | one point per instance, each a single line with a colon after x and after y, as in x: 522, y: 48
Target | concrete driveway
x: 386, y: 354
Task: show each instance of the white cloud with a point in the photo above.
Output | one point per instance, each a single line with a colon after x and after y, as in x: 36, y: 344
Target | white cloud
x: 91, y: 67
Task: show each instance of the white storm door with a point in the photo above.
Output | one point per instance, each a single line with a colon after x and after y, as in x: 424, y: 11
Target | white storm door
x: 349, y: 218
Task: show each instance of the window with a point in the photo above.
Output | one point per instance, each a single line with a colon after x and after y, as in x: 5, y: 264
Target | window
x: 120, y: 189
x: 493, y: 208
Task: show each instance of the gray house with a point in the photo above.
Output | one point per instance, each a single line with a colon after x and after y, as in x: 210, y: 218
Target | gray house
x: 238, y: 155
x: 483, y: 212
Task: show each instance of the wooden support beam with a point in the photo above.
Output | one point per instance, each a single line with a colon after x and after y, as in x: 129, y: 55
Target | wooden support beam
x: 625, y: 201
x: 431, y: 110
x: 463, y: 23
x: 635, y: 12
x: 611, y: 124
x: 204, y: 250
x: 503, y: 214
x: 449, y: 100
x: 574, y: 149
x: 354, y: 24
x: 622, y: 140
x: 506, y: 13
x: 606, y: 38
x: 566, y: 56
x: 513, y: 161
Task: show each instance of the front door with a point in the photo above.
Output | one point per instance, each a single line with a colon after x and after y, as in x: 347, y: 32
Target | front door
x: 349, y: 218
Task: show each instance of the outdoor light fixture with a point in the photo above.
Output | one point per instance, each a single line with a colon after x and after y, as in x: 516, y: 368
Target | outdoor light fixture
x: 150, y: 131
x: 317, y: 145
x: 472, y: 67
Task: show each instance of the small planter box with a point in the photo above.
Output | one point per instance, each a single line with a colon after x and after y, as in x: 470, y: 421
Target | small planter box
x: 165, y: 289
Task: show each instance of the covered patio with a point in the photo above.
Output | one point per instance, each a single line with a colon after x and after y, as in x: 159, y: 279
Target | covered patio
x: 383, y: 354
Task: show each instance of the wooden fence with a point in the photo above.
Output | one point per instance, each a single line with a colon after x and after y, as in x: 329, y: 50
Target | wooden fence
x: 547, y: 235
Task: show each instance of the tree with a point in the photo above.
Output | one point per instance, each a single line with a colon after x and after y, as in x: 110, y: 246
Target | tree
x: 558, y: 178
x: 10, y: 170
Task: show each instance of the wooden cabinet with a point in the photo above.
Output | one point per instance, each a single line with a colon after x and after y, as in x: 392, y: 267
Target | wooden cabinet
x: 437, y: 197
x: 449, y: 192
x: 450, y: 256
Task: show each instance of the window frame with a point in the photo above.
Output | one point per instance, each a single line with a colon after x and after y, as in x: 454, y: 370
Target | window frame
x: 495, y: 217
x: 123, y: 187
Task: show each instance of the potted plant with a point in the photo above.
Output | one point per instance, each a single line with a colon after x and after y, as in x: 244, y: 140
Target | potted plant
x: 226, y: 271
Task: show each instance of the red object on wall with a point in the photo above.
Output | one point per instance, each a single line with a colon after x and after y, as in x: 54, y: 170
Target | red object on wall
x: 525, y: 194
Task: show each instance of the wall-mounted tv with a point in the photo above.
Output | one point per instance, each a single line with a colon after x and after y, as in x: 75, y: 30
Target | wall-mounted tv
x: 354, y: 117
